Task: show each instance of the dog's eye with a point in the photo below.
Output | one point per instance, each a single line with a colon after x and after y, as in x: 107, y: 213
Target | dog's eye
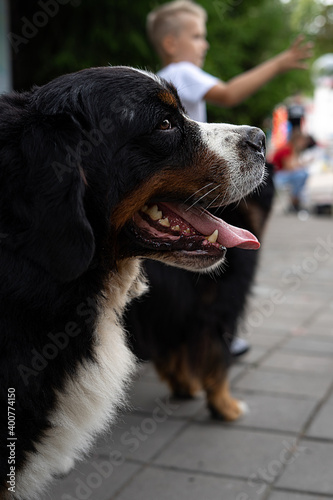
x: 165, y: 125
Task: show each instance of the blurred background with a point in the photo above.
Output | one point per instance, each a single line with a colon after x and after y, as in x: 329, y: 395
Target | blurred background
x: 42, y: 39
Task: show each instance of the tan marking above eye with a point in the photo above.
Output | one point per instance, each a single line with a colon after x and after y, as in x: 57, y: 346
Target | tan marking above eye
x: 168, y: 98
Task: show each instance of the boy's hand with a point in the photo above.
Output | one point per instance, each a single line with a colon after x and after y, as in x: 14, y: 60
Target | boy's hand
x: 246, y: 84
x: 295, y: 56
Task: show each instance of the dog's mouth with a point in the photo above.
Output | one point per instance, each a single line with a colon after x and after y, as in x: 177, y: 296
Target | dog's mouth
x: 190, y: 237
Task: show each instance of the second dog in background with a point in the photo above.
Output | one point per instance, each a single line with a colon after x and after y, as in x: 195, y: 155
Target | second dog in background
x: 186, y: 322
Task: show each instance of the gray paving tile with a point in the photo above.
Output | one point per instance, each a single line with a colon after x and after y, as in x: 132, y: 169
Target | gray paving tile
x: 290, y: 362
x: 319, y: 331
x: 322, y: 288
x: 293, y: 313
x: 271, y: 412
x: 266, y: 329
x: 322, y: 425
x: 311, y: 471
x: 147, y: 372
x: 325, y: 318
x: 146, y: 395
x: 282, y: 495
x: 97, y: 479
x: 154, y: 483
x: 254, y: 355
x: 297, y: 384
x: 267, y: 339
x: 236, y: 370
x: 312, y: 299
x: 310, y: 346
x: 330, y: 398
x: 303, y: 307
x: 139, y: 437
x: 220, y: 450
x: 257, y: 318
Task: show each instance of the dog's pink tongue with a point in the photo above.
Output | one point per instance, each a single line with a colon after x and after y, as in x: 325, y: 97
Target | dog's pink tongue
x: 206, y: 223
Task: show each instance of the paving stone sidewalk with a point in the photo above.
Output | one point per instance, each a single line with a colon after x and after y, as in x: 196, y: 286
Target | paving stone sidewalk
x: 282, y: 449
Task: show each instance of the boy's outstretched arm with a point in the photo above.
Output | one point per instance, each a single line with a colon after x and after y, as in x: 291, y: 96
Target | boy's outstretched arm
x: 237, y: 89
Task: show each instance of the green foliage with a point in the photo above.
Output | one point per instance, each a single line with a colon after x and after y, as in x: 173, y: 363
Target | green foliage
x: 83, y: 33
x: 323, y: 28
x: 242, y: 33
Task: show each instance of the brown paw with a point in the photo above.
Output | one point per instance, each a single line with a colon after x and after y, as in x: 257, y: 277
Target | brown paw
x: 228, y: 410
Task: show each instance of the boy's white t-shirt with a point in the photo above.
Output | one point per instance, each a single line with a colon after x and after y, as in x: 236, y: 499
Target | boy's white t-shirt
x: 192, y: 83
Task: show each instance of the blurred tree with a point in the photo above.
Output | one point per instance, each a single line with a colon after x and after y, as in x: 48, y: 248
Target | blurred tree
x: 51, y: 37
x: 317, y: 21
x: 243, y: 34
x: 79, y: 34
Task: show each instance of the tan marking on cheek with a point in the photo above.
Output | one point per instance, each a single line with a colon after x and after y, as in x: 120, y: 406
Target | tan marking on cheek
x: 168, y: 98
x: 168, y: 183
x: 205, y: 171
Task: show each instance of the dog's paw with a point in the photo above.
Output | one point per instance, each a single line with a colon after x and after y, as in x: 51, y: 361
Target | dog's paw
x: 228, y: 410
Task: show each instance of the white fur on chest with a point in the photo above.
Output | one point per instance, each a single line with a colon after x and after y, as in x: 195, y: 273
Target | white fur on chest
x: 90, y: 399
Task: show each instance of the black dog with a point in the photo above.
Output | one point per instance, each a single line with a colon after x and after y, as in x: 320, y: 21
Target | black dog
x: 97, y: 169
x: 187, y: 322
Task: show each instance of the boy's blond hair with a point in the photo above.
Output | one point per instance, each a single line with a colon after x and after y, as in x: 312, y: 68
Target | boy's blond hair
x: 167, y: 19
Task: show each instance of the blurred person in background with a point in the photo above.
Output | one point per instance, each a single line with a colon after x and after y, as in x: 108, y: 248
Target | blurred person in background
x: 290, y: 167
x: 177, y: 31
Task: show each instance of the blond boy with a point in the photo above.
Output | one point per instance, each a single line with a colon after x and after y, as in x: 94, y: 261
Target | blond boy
x: 177, y: 31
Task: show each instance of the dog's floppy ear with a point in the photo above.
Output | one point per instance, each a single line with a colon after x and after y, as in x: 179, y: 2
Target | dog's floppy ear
x: 60, y: 238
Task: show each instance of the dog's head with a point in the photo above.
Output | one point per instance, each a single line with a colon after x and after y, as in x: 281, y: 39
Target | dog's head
x: 107, y: 157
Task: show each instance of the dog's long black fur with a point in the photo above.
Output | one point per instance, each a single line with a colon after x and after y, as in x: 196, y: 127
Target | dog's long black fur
x: 82, y: 161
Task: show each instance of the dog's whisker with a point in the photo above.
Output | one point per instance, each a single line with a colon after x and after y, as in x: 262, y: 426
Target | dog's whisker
x: 212, y: 202
x: 198, y: 191
x: 237, y: 189
x: 223, y: 201
x: 202, y: 197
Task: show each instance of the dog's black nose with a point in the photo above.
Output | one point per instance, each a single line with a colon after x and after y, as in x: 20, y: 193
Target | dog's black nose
x: 255, y: 138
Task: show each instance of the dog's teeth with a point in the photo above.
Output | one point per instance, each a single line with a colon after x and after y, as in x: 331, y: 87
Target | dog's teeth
x: 164, y: 222
x: 154, y: 213
x: 187, y: 230
x: 144, y: 209
x: 175, y: 228
x: 213, y: 237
